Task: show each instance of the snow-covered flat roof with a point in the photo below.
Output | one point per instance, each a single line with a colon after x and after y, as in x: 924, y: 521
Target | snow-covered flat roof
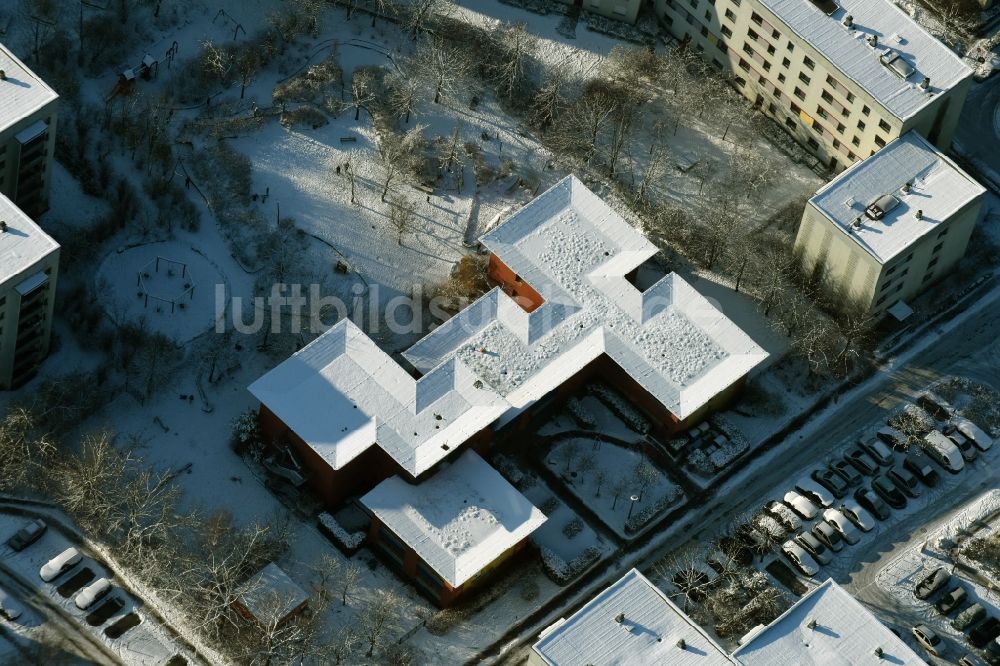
x: 23, y: 244
x: 650, y: 629
x: 270, y: 594
x: 845, y: 633
x: 458, y: 521
x: 938, y: 188
x: 575, y: 251
x: 849, y: 50
x: 22, y: 93
x: 342, y: 394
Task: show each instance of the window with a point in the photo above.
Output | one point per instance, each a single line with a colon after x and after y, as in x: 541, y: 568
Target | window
x: 891, y: 270
x: 693, y: 3
x: 881, y: 300
x: 865, y: 110
x: 812, y: 144
x: 791, y: 47
x: 884, y: 125
x: 772, y: 108
x: 708, y: 16
x: 861, y: 125
x: 789, y: 122
x: 807, y: 61
x: 799, y: 93
x: 786, y: 63
x: 757, y: 18
x: 727, y: 32
x: 747, y: 49
x: 850, y: 96
x: 937, y: 248
x: 840, y: 128
x: 821, y: 112
x: 827, y: 97
x: 795, y: 108
x: 770, y: 50
x: 730, y: 15
x: 943, y: 232
x: 392, y: 543
x: 933, y: 262
x: 803, y: 78
x: 851, y: 156
x: 928, y: 276
x: 879, y: 141
x: 752, y: 35
x: 781, y: 78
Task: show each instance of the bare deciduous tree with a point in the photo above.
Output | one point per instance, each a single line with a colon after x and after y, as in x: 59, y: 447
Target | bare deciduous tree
x: 362, y: 90
x: 247, y: 64
x: 402, y: 94
x: 444, y: 66
x: 551, y: 99
x: 513, y: 48
x: 417, y: 15
x: 397, y: 153
x: 374, y: 620
x: 402, y: 216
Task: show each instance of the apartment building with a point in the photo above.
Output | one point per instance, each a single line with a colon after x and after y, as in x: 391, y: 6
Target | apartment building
x: 890, y: 225
x: 844, y: 77
x: 27, y: 135
x: 29, y: 266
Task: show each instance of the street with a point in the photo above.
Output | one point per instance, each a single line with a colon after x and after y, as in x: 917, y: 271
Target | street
x: 978, y: 132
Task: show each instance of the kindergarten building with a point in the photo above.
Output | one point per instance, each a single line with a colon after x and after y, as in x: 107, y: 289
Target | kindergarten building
x: 566, y: 308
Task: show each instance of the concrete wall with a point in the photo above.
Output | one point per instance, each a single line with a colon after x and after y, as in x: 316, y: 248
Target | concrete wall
x: 833, y: 117
x: 11, y: 325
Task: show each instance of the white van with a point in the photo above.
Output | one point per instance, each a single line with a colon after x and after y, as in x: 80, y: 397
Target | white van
x: 982, y: 441
x: 943, y: 451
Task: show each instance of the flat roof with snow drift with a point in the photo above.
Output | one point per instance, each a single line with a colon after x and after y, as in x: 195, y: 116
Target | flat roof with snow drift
x: 845, y: 633
x: 23, y: 244
x: 22, y: 93
x: 649, y: 631
x: 458, y: 521
x: 341, y: 394
x: 575, y: 251
x: 897, y: 34
x: 937, y: 187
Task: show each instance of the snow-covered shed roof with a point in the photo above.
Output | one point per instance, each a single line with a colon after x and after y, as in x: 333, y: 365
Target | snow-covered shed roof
x: 649, y: 632
x: 22, y: 93
x: 849, y: 51
x: 270, y: 595
x: 23, y: 243
x: 458, y: 521
x: 845, y: 632
x: 342, y: 394
x: 576, y: 251
x: 938, y: 188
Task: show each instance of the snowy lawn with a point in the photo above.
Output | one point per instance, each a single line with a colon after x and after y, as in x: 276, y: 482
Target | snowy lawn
x: 605, y: 476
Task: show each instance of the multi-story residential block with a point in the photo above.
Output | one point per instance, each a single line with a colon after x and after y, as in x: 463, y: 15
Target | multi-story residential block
x: 844, y: 77
x: 622, y: 10
x: 27, y: 135
x: 29, y: 266
x: 890, y: 225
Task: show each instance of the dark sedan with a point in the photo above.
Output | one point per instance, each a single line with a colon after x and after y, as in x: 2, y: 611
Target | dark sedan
x: 861, y: 461
x: 888, y: 491
x: 832, y: 481
x: 905, y: 480
x: 920, y: 464
x: 872, y: 503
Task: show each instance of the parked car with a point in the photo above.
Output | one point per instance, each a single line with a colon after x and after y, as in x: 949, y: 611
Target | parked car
x: 877, y: 449
x: 813, y: 547
x: 800, y: 505
x: 867, y: 498
x: 920, y: 464
x: 10, y: 607
x: 59, y: 564
x: 970, y: 659
x: 888, y: 491
x: 828, y: 536
x: 951, y: 601
x: 92, y: 593
x: 847, y: 470
x: 784, y: 515
x: 892, y: 437
x: 964, y: 444
x: 861, y: 461
x: 982, y: 441
x: 943, y: 451
x: 931, y: 583
x: 832, y: 481
x: 858, y: 515
x: 928, y: 639
x: 814, y: 491
x: 992, y: 653
x: 905, y: 480
x: 984, y: 633
x: 798, y: 556
x: 935, y: 406
x: 969, y: 617
x: 843, y: 525
x: 29, y: 533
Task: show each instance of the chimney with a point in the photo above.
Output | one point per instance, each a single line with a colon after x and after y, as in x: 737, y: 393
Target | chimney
x: 907, y: 187
x: 812, y: 623
x: 878, y: 652
x: 873, y: 40
x: 926, y: 83
x: 848, y: 21
x: 920, y: 214
x: 3, y: 227
x: 3, y: 75
x: 681, y: 643
x: 620, y: 618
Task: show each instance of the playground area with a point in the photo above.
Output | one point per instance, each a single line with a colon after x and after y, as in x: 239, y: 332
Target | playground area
x: 168, y: 286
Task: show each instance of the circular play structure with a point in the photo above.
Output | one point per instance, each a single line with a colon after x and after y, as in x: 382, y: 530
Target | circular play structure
x: 173, y: 286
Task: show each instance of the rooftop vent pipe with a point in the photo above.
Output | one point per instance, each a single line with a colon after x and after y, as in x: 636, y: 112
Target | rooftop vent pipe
x: 3, y: 227
x: 848, y: 21
x: 873, y: 40
x: 920, y: 214
x: 682, y: 644
x: 3, y: 75
x: 926, y: 83
x: 620, y: 618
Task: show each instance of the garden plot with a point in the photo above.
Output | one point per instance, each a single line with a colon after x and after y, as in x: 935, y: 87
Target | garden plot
x: 606, y: 476
x: 169, y: 287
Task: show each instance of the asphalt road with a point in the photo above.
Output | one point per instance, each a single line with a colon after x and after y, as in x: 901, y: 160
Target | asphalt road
x: 970, y: 348
x: 978, y: 130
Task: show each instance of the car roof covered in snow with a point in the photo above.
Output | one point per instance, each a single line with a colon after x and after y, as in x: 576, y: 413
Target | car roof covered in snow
x: 576, y: 252
x: 897, y: 34
x: 938, y: 188
x: 342, y: 394
x: 826, y: 626
x: 629, y: 622
x: 22, y: 93
x: 270, y: 594
x: 23, y: 244
x: 459, y: 520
